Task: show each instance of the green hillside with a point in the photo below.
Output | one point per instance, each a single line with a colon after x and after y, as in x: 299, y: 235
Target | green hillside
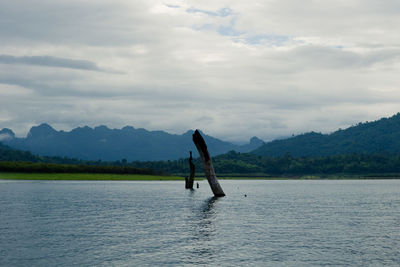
x: 9, y: 154
x: 250, y: 165
x: 381, y: 136
x: 12, y: 160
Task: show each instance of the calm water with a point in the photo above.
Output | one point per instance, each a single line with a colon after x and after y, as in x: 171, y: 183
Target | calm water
x: 279, y: 223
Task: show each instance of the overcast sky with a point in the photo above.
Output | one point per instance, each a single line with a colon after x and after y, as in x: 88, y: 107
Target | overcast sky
x: 234, y: 69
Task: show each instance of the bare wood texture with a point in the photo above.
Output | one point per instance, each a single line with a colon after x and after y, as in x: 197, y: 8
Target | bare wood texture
x: 186, y: 182
x: 192, y: 169
x: 207, y: 164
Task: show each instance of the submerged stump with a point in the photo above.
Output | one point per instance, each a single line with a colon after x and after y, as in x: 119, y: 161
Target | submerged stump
x: 186, y: 182
x: 190, y: 181
x: 207, y: 164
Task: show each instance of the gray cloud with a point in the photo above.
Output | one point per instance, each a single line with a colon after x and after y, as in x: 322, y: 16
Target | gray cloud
x: 223, y: 12
x: 5, y: 137
x: 316, y: 56
x: 50, y: 61
x: 269, y: 68
x: 110, y: 23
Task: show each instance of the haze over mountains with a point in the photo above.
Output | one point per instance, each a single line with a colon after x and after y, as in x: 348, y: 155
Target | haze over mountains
x: 381, y: 136
x: 115, y: 144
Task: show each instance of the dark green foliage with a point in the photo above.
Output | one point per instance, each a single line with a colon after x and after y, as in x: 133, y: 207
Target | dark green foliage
x: 6, y: 153
x: 367, y: 148
x: 230, y: 163
x: 12, y: 160
x: 254, y: 165
x: 382, y: 136
x: 40, y: 167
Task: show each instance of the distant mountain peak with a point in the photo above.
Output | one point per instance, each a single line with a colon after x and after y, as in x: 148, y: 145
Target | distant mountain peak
x: 102, y: 129
x: 81, y: 129
x: 7, y: 131
x: 256, y: 141
x: 6, y: 134
x: 42, y: 130
x: 128, y: 128
x: 44, y: 125
x: 189, y: 132
x: 104, y: 143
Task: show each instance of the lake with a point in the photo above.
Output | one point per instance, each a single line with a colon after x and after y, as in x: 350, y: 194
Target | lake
x: 279, y: 223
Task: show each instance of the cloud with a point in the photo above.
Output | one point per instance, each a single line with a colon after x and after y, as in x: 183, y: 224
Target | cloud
x: 49, y: 61
x: 5, y: 137
x: 223, y: 12
x: 231, y: 68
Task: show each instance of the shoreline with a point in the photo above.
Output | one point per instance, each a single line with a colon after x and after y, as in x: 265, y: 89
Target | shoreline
x: 85, y: 177
x: 142, y: 177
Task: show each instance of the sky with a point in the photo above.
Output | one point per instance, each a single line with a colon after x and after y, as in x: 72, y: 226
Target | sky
x: 234, y: 69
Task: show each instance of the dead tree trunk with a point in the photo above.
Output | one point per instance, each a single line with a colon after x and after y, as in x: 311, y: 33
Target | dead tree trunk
x: 192, y: 169
x: 186, y: 182
x: 207, y: 164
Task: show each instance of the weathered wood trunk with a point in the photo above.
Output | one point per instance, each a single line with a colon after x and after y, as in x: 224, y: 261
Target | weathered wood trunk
x: 186, y: 182
x: 207, y: 164
x: 192, y: 169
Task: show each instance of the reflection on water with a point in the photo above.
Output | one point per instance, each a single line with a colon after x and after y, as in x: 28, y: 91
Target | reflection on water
x: 202, y: 231
x: 204, y: 219
x: 284, y: 223
x: 207, y: 207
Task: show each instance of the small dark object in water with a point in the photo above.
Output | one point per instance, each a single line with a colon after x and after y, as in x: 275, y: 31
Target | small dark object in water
x: 245, y: 195
x: 197, y: 185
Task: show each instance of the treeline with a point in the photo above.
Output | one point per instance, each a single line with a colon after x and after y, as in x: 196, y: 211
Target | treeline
x: 12, y: 160
x: 40, y: 167
x: 244, y: 164
x: 250, y: 164
x: 9, y: 154
x: 340, y: 164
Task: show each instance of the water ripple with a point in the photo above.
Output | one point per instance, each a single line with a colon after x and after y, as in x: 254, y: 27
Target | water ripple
x: 279, y: 223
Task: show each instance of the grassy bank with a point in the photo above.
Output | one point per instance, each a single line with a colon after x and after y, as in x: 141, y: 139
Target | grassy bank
x: 86, y: 176
x: 312, y: 177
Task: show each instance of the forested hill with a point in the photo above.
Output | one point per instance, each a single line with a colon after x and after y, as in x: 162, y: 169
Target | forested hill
x: 9, y: 154
x: 115, y: 144
x: 381, y: 136
x: 12, y: 160
x: 230, y: 164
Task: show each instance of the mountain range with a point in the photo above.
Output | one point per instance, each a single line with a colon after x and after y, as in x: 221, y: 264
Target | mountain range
x: 102, y: 143
x: 381, y: 136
